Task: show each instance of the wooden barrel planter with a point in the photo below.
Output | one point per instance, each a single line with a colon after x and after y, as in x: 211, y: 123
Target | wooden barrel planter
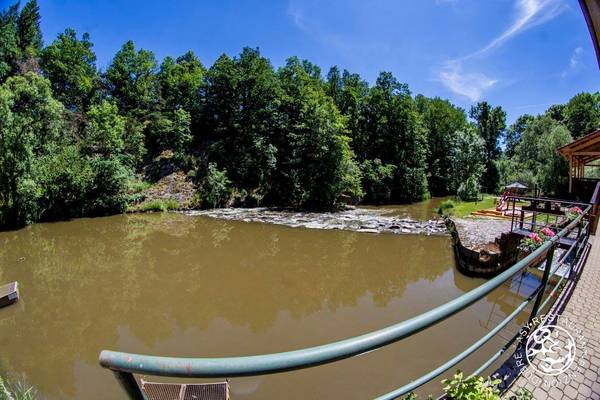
x: 483, y: 263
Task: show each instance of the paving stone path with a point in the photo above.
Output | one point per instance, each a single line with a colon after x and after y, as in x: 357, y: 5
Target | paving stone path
x: 583, y: 311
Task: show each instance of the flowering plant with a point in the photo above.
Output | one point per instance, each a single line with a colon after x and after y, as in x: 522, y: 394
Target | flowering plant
x: 573, y: 213
x: 547, y: 232
x: 535, y: 239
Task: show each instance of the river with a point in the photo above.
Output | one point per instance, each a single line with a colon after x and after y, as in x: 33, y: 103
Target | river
x: 189, y: 285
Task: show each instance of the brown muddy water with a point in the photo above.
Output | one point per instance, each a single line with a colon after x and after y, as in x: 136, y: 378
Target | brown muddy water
x: 180, y: 285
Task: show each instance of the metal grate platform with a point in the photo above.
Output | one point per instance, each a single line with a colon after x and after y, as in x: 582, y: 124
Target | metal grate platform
x: 180, y: 391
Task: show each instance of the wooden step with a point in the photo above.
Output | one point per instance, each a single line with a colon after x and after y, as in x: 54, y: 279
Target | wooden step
x: 9, y: 294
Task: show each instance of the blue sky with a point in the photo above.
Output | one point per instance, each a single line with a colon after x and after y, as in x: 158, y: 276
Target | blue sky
x: 521, y: 54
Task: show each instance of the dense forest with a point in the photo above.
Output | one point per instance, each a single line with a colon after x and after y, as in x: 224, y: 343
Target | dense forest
x: 77, y: 141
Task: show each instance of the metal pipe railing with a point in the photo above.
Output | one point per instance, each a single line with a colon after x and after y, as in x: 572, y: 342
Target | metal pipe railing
x: 126, y: 364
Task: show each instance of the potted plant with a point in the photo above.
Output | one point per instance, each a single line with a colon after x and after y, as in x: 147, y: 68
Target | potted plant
x: 534, y: 241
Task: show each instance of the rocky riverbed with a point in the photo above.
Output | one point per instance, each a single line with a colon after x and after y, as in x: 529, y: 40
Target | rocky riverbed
x: 353, y: 219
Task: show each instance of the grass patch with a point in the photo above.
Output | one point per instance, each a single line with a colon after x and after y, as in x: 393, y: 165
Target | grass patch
x: 159, y: 205
x: 18, y: 391
x: 464, y: 208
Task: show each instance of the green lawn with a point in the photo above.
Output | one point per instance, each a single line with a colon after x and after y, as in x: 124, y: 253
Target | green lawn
x: 464, y: 208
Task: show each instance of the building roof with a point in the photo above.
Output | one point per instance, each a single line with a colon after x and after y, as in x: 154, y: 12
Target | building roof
x: 586, y: 149
x: 591, y: 11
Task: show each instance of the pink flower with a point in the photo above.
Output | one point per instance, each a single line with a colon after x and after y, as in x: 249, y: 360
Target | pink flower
x: 576, y: 210
x: 535, y: 237
x: 547, y: 232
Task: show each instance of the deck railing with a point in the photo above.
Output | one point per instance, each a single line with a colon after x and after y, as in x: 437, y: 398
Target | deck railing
x: 124, y: 365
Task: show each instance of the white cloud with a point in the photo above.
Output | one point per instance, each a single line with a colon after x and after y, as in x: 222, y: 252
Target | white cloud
x: 528, y: 13
x: 471, y: 85
x: 574, y: 62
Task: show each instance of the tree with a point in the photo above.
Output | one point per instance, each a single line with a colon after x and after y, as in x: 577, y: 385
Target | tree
x: 441, y: 120
x: 30, y: 122
x: 180, y: 82
x: 9, y: 46
x: 490, y: 123
x: 131, y: 78
x: 216, y: 187
x: 349, y: 94
x: 467, y: 163
x: 169, y: 131
x: 29, y: 32
x: 242, y: 99
x: 514, y: 133
x: 315, y: 165
x: 395, y: 133
x: 554, y: 169
x: 70, y: 64
x: 582, y: 114
x: 105, y: 130
x: 378, y: 179
x: 537, y: 158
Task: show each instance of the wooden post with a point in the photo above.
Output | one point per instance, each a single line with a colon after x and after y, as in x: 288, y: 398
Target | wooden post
x: 570, y: 173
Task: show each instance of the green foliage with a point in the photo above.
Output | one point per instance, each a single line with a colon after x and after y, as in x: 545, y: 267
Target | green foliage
x: 31, y: 121
x: 159, y: 205
x: 216, y: 188
x: 475, y: 387
x: 71, y: 141
x: 315, y: 165
x: 29, y: 35
x: 108, y: 192
x: 19, y: 391
x: 169, y: 131
x: 63, y: 177
x: 490, y: 123
x: 377, y: 180
x: 131, y: 78
x: 9, y: 47
x: 469, y: 189
x: 105, y: 130
x: 536, y: 158
x: 442, y: 121
x: 242, y: 100
x: 582, y: 114
x: 396, y: 136
x: 446, y: 208
x: 180, y: 82
x: 467, y: 163
x: 70, y: 64
x: 472, y: 388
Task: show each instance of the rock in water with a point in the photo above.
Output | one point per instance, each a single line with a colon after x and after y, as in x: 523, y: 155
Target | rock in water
x: 358, y: 220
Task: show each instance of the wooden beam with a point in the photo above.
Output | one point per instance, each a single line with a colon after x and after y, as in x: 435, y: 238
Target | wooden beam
x: 571, y: 173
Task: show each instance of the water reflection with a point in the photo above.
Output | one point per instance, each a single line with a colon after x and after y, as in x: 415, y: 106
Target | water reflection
x: 192, y: 286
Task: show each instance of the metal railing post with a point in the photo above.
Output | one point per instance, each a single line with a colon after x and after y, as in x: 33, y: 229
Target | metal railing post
x: 546, y: 276
x: 129, y: 385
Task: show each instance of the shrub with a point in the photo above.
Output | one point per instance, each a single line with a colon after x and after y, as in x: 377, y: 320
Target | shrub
x: 474, y: 387
x: 109, y: 189
x: 216, y: 187
x: 446, y: 208
x: 469, y: 189
x: 160, y: 205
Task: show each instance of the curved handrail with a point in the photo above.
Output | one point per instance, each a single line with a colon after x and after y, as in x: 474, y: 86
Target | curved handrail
x: 313, y: 356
